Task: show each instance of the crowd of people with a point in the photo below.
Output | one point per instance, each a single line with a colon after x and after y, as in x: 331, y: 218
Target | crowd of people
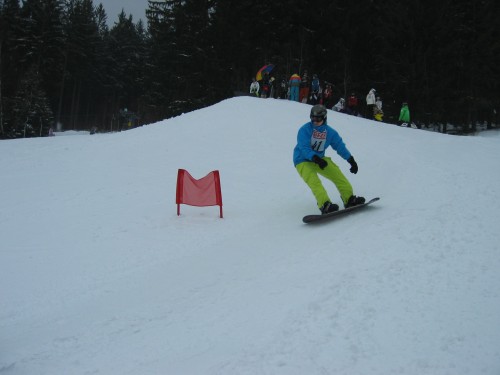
x: 312, y: 91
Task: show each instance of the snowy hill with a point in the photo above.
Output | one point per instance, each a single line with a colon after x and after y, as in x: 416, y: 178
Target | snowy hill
x: 98, y: 274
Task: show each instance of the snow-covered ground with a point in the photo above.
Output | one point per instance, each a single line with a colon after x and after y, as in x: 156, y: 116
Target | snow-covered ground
x: 98, y: 274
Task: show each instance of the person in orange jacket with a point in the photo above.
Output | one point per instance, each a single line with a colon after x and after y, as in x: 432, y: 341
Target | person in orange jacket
x: 293, y: 86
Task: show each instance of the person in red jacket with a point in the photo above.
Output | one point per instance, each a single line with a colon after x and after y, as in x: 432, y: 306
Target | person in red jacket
x: 327, y: 96
x: 352, y: 105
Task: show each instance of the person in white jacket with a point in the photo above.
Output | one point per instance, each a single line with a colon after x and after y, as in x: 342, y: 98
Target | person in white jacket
x: 340, y: 106
x: 370, y: 103
x: 254, y: 87
x: 378, y: 114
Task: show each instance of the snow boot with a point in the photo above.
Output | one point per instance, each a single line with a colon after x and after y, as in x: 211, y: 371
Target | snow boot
x: 354, y: 201
x: 329, y: 207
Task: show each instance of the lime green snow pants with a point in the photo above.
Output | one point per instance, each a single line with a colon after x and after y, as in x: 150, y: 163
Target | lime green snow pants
x: 309, y: 172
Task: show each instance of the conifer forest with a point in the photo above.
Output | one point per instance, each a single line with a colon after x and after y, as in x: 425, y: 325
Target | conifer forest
x: 62, y: 67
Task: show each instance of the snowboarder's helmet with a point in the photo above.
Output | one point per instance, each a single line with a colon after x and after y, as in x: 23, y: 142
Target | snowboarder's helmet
x: 318, y: 111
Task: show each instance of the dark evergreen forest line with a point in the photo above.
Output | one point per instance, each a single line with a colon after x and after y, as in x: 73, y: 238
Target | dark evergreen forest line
x: 61, y: 63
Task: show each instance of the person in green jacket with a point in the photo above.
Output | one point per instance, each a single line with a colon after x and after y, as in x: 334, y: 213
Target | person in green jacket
x: 404, y: 115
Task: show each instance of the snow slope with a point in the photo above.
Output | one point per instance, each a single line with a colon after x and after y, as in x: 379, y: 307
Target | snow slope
x: 99, y: 275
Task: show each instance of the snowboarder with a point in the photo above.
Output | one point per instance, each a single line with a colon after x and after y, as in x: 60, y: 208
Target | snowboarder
x: 309, y: 158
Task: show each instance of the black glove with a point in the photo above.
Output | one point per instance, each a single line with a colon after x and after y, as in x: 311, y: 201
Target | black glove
x: 354, y: 165
x: 322, y: 163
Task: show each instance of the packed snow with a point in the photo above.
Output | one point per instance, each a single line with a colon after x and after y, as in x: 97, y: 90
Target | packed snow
x: 99, y: 275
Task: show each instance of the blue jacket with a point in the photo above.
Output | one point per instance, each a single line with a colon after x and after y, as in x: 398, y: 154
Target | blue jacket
x: 314, y: 140
x: 315, y: 85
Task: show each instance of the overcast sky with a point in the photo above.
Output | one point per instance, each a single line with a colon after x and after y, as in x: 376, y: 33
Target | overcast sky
x: 113, y: 7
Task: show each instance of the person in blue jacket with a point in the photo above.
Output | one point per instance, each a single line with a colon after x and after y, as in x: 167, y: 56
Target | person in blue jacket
x: 309, y: 158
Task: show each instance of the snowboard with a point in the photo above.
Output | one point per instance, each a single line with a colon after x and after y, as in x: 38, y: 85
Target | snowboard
x: 320, y: 218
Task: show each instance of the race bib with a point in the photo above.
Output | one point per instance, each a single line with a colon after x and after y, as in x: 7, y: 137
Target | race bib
x: 318, y: 140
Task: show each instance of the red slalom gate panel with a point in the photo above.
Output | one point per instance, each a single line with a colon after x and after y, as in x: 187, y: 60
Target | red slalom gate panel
x: 203, y: 192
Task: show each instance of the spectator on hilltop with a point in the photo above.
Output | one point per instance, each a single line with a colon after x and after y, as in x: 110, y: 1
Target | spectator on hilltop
x: 294, y: 85
x: 254, y: 88
x: 370, y: 103
x: 315, y: 90
x: 264, y: 85
x: 282, y: 89
x: 340, y: 106
x: 304, y: 88
x: 327, y: 95
x: 378, y: 114
x: 271, y: 87
x: 352, y: 105
x: 404, y: 115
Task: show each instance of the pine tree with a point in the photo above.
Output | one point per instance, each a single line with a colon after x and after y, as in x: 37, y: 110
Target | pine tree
x: 44, y: 41
x: 10, y: 52
x: 127, y: 47
x: 31, y: 108
x: 84, y: 65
